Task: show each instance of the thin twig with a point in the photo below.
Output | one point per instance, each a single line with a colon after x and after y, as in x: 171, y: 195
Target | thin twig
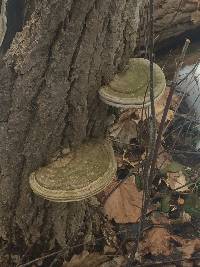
x: 166, y: 109
x: 41, y: 258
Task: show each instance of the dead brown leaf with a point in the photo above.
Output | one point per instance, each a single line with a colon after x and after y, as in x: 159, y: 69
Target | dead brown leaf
x: 124, y: 204
x: 86, y: 260
x: 163, y: 159
x: 157, y: 242
x: 116, y: 262
x: 189, y: 247
x: 187, y: 264
x: 103, y: 195
x: 176, y: 181
x: 186, y: 217
x: 109, y: 234
x: 131, y: 113
x: 159, y: 218
x: 119, y: 159
x: 109, y: 250
x: 124, y: 131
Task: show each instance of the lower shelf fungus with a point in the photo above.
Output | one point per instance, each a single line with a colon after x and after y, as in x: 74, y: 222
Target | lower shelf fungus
x: 78, y: 175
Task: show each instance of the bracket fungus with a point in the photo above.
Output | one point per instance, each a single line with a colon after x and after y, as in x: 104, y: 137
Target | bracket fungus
x: 76, y: 176
x: 129, y: 89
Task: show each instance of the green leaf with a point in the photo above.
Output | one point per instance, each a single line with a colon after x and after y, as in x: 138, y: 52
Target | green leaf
x: 139, y: 183
x: 174, y: 167
x: 165, y: 203
x: 192, y: 205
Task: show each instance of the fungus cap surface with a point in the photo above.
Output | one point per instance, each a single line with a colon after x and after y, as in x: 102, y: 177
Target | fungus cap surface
x: 78, y: 175
x: 130, y: 87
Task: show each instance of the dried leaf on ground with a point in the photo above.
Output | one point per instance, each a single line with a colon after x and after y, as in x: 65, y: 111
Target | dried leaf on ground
x: 116, y: 262
x: 119, y: 160
x: 163, y: 159
x: 131, y: 159
x: 183, y: 218
x: 189, y: 247
x: 187, y: 264
x: 124, y: 131
x: 186, y: 217
x: 159, y: 218
x: 157, y: 242
x: 176, y: 181
x: 132, y: 113
x: 124, y: 204
x: 103, y: 195
x: 109, y: 250
x: 86, y: 260
x: 109, y: 234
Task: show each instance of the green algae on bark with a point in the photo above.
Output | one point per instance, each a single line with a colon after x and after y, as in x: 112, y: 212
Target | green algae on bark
x: 78, y: 175
x: 130, y: 87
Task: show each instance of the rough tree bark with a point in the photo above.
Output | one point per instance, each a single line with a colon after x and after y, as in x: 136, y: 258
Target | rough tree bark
x: 49, y: 80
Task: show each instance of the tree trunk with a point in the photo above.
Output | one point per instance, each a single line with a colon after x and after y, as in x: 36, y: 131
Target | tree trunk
x: 49, y: 83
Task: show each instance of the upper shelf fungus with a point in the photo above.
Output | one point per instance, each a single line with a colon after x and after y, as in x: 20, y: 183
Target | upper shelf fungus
x: 78, y: 175
x: 129, y: 89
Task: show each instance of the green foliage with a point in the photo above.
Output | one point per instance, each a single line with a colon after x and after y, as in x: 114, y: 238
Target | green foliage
x: 192, y: 205
x: 139, y: 183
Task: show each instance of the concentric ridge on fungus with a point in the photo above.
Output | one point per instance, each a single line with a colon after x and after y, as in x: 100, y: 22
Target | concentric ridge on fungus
x: 129, y: 89
x: 78, y: 175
